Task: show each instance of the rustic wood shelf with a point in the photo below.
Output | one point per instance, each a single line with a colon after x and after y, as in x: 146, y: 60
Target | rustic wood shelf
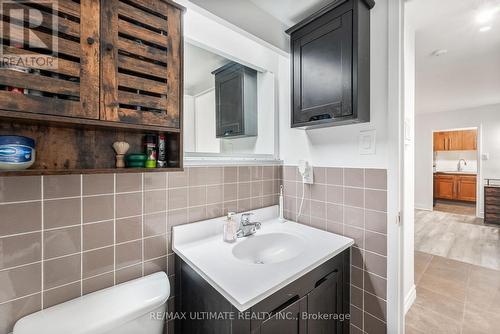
x: 35, y: 172
x: 27, y: 117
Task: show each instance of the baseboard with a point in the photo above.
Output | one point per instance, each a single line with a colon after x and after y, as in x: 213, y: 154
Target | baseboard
x: 410, y: 298
x: 422, y: 207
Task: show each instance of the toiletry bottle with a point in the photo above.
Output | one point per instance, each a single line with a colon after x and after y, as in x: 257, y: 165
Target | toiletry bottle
x: 281, y: 205
x: 230, y: 228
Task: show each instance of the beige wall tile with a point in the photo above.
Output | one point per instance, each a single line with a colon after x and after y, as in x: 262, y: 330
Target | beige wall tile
x: 376, y: 221
x: 128, y: 253
x: 354, y: 216
x: 98, y: 208
x: 156, y: 265
x: 61, y: 271
x: 214, y: 210
x: 244, y: 173
x: 354, y: 177
x: 155, y: 200
x: 318, y: 209
x: 128, y: 182
x: 375, y: 325
x: 96, y: 184
x: 57, y: 186
x: 375, y: 285
x: 177, y: 198
x: 335, y: 194
x: 376, y: 200
x: 128, y: 205
x: 215, y: 194
x: 177, y: 217
x: 256, y: 188
x: 129, y: 273
x: 20, y: 249
x: 244, y: 190
x: 60, y: 242
x: 213, y: 175
x: 155, y: 247
x: 197, y: 213
x: 268, y: 187
x: 375, y: 306
x: 155, y: 224
x: 318, y: 192
x: 154, y: 181
x: 12, y: 311
x: 61, y: 294
x: 61, y: 212
x: 128, y: 229
x: 357, y: 277
x: 255, y: 173
x: 98, y: 235
x: 335, y: 176
x: 20, y: 218
x: 230, y: 192
x: 20, y: 281
x: 230, y: 174
x: 178, y: 179
x: 376, y: 264
x: 376, y: 242
x: 355, y: 233
x: 22, y: 188
x: 267, y: 172
x: 335, y: 213
x: 319, y: 174
x: 197, y: 176
x: 354, y: 197
x: 197, y: 196
x: 97, y: 283
x: 97, y: 261
x: 376, y: 178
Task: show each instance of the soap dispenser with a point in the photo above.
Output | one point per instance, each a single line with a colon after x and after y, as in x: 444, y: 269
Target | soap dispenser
x: 230, y: 228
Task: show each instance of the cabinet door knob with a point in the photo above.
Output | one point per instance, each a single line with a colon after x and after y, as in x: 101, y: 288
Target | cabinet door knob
x: 90, y: 41
x: 109, y: 47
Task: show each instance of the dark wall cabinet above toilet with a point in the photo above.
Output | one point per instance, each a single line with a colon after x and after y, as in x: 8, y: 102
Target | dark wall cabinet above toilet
x: 331, y: 66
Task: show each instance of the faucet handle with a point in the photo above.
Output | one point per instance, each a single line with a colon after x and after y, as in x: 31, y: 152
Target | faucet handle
x: 245, y: 217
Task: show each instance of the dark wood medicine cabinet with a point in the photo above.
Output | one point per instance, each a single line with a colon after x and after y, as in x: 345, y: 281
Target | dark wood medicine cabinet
x: 331, y: 66
x: 119, y: 76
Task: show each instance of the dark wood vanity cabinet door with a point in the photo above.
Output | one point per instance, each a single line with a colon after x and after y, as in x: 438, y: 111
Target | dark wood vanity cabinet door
x: 63, y: 78
x: 287, y: 321
x: 325, y: 299
x: 141, y: 72
x: 322, y: 72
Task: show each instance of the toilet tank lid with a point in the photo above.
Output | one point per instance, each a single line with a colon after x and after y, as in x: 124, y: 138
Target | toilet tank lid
x: 100, y: 311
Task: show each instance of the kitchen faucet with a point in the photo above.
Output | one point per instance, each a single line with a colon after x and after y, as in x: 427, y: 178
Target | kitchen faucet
x: 459, y: 167
x: 246, y: 227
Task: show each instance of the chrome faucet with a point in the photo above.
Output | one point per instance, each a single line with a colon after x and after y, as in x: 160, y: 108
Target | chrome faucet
x: 459, y: 166
x: 246, y: 227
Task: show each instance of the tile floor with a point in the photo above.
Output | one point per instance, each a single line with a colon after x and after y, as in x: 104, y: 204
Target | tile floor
x: 454, y: 297
x: 458, y: 237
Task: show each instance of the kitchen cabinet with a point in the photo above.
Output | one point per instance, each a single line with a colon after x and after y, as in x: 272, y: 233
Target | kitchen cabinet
x: 114, y: 73
x: 323, y: 290
x: 444, y: 186
x: 235, y: 101
x: 459, y: 187
x: 331, y: 66
x: 461, y: 140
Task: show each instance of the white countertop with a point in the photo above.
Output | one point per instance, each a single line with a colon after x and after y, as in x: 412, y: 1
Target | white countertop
x: 467, y: 172
x: 246, y: 284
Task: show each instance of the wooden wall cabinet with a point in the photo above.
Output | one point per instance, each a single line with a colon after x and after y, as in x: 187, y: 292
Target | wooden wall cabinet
x: 461, y: 140
x: 331, y: 66
x: 118, y: 77
x: 457, y: 187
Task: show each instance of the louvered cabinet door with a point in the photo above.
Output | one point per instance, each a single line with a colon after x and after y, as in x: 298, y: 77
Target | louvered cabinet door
x: 141, y: 68
x: 50, y: 53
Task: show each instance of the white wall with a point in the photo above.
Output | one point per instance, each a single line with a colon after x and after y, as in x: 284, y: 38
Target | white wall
x: 486, y: 118
x: 188, y: 124
x: 448, y: 160
x: 204, y: 109
x: 338, y: 146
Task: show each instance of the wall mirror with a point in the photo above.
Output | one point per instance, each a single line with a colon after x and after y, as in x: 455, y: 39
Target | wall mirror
x: 229, y: 106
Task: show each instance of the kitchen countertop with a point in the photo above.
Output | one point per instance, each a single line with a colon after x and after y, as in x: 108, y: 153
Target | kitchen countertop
x: 245, y: 284
x: 456, y: 172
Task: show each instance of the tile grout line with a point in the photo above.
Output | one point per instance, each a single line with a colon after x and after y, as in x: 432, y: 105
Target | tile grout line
x: 42, y: 265
x: 81, y: 235
x: 114, y: 229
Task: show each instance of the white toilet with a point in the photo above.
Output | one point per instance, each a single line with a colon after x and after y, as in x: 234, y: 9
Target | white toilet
x: 134, y: 307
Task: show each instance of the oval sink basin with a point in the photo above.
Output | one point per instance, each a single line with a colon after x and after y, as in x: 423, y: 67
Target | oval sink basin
x: 269, y: 248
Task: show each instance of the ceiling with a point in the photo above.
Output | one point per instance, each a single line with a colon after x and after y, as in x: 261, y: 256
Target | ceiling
x: 198, y: 66
x: 266, y: 19
x: 468, y: 75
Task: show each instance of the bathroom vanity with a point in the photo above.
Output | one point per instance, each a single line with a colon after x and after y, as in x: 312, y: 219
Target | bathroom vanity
x: 287, y: 278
